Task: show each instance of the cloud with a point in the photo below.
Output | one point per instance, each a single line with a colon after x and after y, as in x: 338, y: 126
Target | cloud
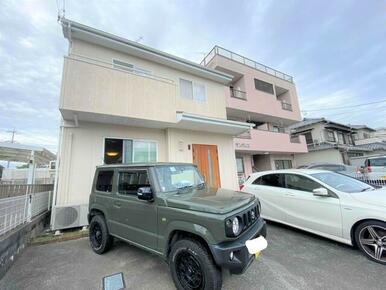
x: 335, y: 57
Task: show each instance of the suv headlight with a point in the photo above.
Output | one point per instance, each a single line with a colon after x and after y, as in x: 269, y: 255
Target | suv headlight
x: 233, y: 226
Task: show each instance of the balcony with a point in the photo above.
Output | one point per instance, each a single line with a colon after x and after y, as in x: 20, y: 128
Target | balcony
x: 241, y: 95
x: 246, y: 61
x: 97, y: 91
x: 261, y: 141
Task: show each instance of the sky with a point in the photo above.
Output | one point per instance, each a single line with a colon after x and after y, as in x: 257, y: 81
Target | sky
x: 335, y: 50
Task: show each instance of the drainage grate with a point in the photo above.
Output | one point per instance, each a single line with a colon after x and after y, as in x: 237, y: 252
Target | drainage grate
x: 114, y: 282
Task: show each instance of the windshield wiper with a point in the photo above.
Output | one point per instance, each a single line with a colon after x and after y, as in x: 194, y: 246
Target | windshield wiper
x: 366, y: 189
x: 184, y: 187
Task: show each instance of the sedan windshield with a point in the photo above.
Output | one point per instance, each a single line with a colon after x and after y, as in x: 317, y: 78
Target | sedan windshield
x: 176, y: 177
x: 341, y: 182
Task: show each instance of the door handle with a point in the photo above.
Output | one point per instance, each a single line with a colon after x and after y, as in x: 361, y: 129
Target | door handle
x: 289, y: 194
x: 117, y: 204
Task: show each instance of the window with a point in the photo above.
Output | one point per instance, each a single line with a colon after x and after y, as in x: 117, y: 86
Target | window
x: 330, y: 136
x: 129, y: 151
x: 275, y: 180
x: 377, y: 162
x: 240, y: 164
x: 283, y: 164
x: 299, y: 182
x: 355, y: 136
x: 309, y: 139
x: 342, y: 182
x: 175, y: 177
x: 105, y: 181
x: 192, y: 90
x: 129, y: 182
x: 278, y: 129
x: 129, y: 67
x: 340, y: 138
x: 264, y: 86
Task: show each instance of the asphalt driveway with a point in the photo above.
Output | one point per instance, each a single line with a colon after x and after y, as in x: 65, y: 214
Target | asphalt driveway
x: 293, y: 260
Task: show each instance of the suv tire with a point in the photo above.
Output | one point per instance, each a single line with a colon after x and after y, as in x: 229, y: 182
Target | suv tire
x: 192, y: 266
x: 370, y: 236
x: 100, y: 239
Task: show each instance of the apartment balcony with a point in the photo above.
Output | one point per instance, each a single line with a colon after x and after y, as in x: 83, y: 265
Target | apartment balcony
x: 256, y: 89
x: 98, y: 92
x: 266, y: 142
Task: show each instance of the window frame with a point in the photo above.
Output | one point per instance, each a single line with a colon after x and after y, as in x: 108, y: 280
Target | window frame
x: 283, y: 160
x: 330, y: 192
x: 194, y: 84
x: 255, y: 80
x: 112, y: 181
x: 135, y: 69
x: 131, y: 170
x: 281, y: 179
x: 328, y: 137
x: 123, y: 152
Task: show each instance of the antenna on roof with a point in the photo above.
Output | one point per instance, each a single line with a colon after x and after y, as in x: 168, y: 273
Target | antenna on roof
x: 139, y: 39
x: 61, y: 10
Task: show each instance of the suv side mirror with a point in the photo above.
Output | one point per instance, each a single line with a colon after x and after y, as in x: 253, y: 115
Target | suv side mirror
x: 144, y: 193
x: 320, y: 191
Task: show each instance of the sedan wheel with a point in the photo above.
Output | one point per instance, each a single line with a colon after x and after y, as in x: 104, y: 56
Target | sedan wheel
x: 372, y: 241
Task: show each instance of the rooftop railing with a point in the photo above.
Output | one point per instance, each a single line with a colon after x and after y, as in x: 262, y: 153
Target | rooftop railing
x: 246, y: 61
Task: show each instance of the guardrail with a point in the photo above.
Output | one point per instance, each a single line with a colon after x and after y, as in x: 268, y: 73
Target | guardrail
x: 21, y: 208
x: 238, y: 94
x: 373, y: 182
x: 246, y: 61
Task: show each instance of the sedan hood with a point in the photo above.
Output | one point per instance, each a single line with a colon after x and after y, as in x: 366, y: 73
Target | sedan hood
x: 374, y: 197
x: 212, y: 200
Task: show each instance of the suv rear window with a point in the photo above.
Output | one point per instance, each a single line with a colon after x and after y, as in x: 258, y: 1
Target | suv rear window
x: 377, y: 162
x: 105, y: 181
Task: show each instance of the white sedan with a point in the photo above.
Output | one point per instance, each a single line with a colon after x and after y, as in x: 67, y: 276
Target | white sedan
x: 325, y: 203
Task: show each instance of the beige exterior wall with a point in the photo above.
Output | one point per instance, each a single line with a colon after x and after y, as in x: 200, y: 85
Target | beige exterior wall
x: 114, y: 92
x: 329, y: 156
x: 82, y: 150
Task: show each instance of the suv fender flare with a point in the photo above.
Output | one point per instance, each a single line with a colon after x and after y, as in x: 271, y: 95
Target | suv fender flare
x: 190, y: 228
x: 99, y: 209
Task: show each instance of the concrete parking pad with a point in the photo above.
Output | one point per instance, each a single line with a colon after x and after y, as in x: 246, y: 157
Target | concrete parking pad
x: 293, y: 260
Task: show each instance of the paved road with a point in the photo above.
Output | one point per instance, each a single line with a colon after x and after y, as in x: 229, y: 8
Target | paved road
x: 294, y: 260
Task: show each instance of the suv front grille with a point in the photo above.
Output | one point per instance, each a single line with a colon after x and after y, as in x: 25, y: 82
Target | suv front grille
x: 248, y: 218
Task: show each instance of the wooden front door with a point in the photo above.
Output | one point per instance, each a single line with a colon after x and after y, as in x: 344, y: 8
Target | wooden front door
x: 206, y: 159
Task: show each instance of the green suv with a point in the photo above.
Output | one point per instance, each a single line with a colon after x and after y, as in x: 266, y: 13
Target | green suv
x: 166, y: 209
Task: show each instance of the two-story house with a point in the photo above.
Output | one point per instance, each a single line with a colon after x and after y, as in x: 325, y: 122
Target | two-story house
x: 327, y: 141
x: 123, y: 102
x: 266, y: 98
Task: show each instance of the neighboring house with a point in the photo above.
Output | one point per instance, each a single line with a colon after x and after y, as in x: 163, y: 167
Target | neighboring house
x: 327, y: 141
x: 380, y: 133
x: 266, y: 98
x: 123, y: 102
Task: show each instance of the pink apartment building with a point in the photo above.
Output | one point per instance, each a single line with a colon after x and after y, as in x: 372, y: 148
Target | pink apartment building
x: 267, y: 98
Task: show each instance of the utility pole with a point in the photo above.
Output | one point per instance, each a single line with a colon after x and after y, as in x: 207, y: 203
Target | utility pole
x: 12, y: 140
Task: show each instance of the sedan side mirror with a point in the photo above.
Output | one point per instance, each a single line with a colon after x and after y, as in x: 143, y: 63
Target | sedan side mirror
x: 144, y: 193
x: 320, y: 192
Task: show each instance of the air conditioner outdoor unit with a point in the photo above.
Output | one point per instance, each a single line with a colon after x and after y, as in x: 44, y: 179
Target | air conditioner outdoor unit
x: 69, y: 216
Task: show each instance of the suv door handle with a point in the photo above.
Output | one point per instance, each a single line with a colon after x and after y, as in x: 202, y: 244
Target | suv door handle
x: 117, y: 204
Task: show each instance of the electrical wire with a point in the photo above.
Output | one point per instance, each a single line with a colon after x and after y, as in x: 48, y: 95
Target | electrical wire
x: 344, y: 107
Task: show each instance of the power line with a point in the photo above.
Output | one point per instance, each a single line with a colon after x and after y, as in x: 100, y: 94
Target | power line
x: 344, y: 107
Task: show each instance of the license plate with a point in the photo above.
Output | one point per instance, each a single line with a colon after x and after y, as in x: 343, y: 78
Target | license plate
x: 257, y: 245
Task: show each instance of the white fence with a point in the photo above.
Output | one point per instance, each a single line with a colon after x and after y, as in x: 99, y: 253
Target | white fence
x: 16, y: 210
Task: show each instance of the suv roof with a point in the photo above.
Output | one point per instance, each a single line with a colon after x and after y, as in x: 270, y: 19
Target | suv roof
x: 143, y: 164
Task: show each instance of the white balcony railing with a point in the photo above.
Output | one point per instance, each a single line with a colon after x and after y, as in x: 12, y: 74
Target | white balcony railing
x: 246, y: 61
x: 238, y: 94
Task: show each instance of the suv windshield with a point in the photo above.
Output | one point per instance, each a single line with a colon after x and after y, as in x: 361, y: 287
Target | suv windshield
x: 342, y: 182
x: 175, y: 177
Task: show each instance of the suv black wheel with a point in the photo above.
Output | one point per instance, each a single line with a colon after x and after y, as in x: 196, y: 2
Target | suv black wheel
x: 100, y: 238
x: 192, y: 266
x: 370, y: 237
